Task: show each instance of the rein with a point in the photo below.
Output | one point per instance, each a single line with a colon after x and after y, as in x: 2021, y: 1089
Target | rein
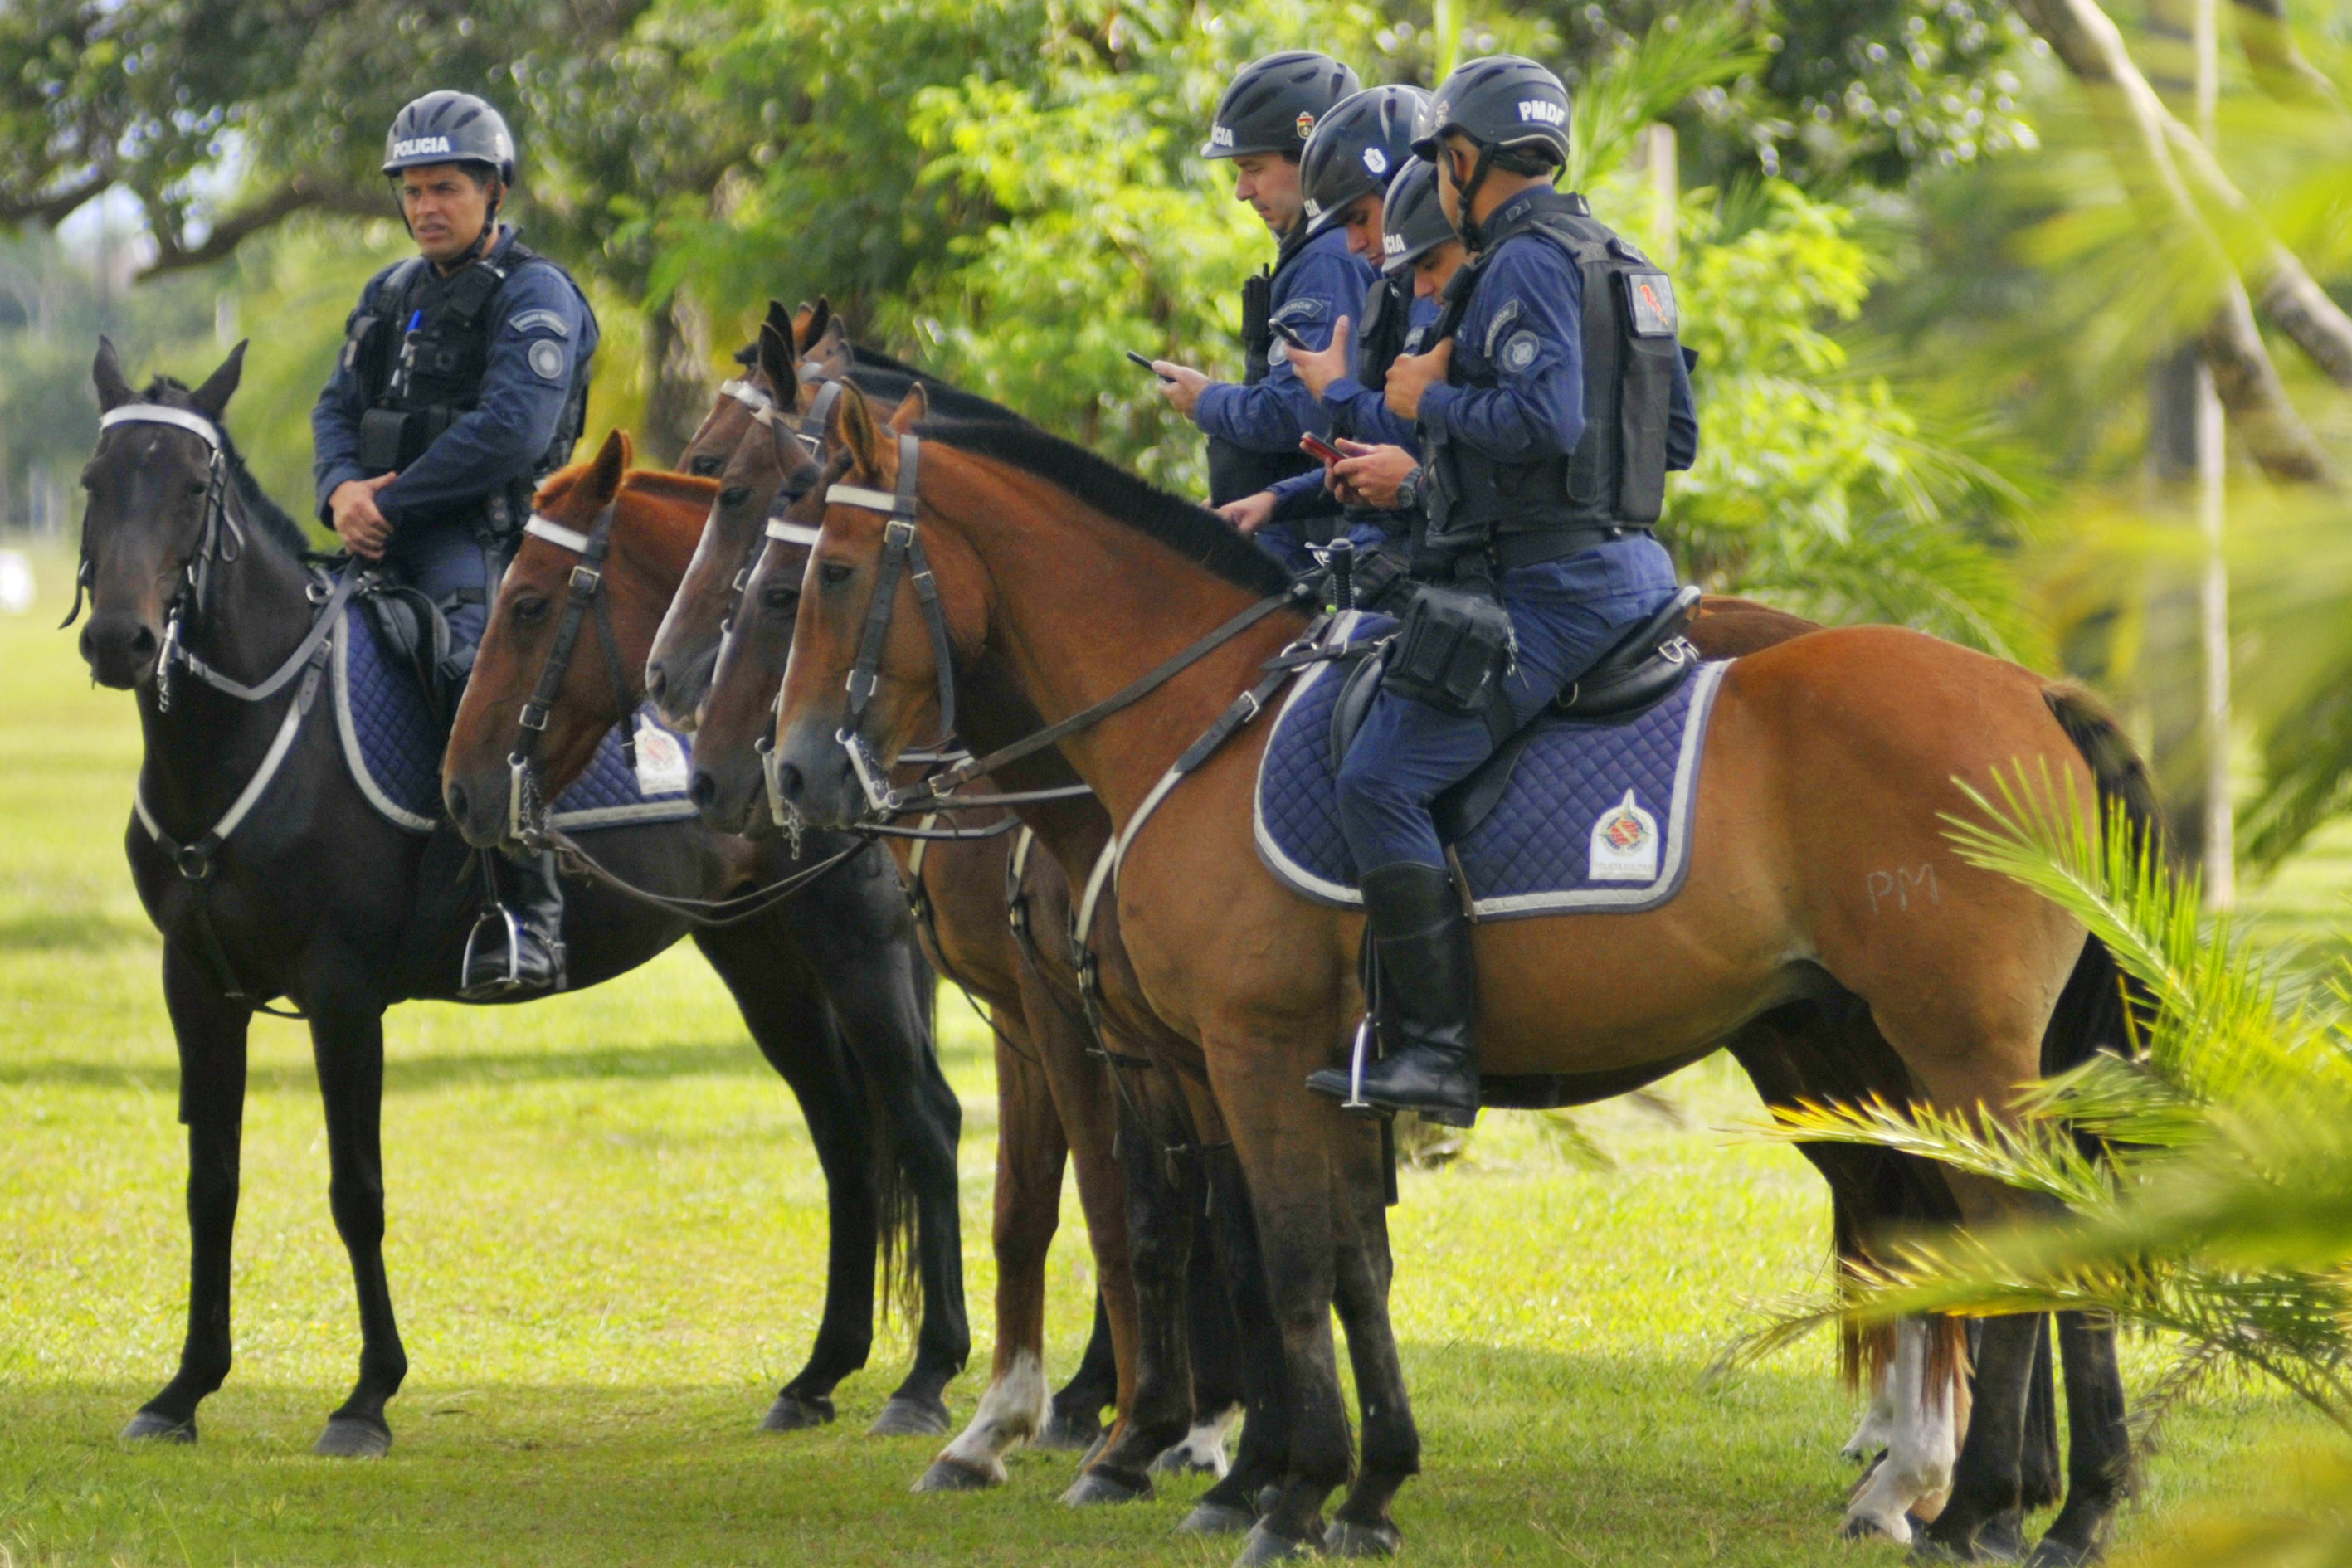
x: 902, y: 551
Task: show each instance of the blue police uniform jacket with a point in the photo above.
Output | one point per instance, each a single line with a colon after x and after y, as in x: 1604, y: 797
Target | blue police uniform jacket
x: 1359, y: 412
x: 538, y: 327
x: 1322, y: 283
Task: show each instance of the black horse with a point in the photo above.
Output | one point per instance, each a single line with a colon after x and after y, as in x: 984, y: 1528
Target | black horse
x: 270, y: 875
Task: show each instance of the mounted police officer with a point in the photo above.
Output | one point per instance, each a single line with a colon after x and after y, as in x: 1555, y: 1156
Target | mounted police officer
x: 1344, y: 173
x: 1551, y: 408
x: 463, y: 382
x: 1262, y: 124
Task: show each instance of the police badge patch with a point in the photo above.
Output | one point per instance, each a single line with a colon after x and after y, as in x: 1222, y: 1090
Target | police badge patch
x: 1520, y: 351
x: 547, y: 360
x: 1652, y: 295
x: 1624, y: 846
x: 1376, y: 161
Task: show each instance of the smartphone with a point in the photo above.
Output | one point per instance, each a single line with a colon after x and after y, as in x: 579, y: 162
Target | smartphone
x: 1289, y: 335
x: 1145, y: 363
x: 1316, y: 447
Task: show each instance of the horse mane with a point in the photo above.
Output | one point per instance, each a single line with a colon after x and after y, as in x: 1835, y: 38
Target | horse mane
x: 663, y: 484
x: 260, y: 508
x: 1199, y: 535
x: 949, y: 401
x: 748, y: 356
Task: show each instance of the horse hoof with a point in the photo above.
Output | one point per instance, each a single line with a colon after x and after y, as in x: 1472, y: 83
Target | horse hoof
x: 2054, y: 1553
x: 1094, y: 1487
x: 352, y: 1437
x: 952, y: 1476
x: 792, y: 1412
x: 1265, y: 1546
x: 1216, y: 1519
x: 148, y: 1427
x: 1869, y: 1527
x: 1348, y: 1539
x: 908, y: 1417
x: 1068, y: 1436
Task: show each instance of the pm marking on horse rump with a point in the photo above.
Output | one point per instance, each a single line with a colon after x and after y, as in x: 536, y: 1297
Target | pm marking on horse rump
x: 1899, y: 884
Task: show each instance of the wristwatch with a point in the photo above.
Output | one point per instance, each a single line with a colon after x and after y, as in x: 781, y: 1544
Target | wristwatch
x: 1408, y: 494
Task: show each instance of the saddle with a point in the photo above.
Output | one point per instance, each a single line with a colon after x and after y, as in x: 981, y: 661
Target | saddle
x: 1640, y: 670
x: 413, y: 634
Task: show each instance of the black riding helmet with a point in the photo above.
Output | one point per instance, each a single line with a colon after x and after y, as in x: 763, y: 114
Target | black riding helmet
x: 1514, y: 109
x: 1273, y: 103
x: 1356, y: 149
x: 1411, y: 223
x: 450, y: 128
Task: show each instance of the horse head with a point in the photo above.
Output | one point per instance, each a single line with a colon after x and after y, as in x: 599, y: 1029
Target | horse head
x: 154, y: 486
x: 865, y: 662
x: 560, y: 656
x: 738, y: 403
x: 762, y: 466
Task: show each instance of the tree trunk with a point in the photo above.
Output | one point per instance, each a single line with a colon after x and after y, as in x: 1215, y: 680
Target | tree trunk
x: 677, y: 359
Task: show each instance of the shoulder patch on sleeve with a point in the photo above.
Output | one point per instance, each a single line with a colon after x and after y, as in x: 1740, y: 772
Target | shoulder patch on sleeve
x: 529, y: 321
x: 1520, y: 352
x: 1305, y: 308
x: 547, y: 358
x: 1503, y: 317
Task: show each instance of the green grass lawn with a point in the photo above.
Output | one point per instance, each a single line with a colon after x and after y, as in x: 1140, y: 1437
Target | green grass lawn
x: 606, y: 1248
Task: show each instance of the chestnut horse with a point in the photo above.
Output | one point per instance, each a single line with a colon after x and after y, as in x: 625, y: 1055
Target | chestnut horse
x: 1803, y: 1051
x: 1061, y: 581
x: 1050, y: 1094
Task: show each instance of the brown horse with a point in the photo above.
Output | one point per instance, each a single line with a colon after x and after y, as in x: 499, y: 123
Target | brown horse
x: 1803, y: 1050
x: 1831, y: 759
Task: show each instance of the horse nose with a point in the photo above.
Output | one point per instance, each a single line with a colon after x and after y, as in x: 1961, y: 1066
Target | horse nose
x: 453, y: 795
x: 703, y: 791
x: 116, y: 646
x: 789, y: 781
x: 657, y: 684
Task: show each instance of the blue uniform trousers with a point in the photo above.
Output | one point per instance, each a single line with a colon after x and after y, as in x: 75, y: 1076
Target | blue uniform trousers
x: 1566, y: 614
x: 456, y: 570
x: 1286, y: 543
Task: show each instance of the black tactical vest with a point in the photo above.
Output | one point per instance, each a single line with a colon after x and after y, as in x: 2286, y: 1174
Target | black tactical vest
x: 1616, y: 478
x: 1236, y: 471
x: 422, y: 347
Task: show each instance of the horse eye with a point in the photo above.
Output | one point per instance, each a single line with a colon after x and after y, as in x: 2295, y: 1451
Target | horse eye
x: 781, y: 595
x: 529, y: 608
x: 706, y: 467
x: 197, y: 486
x: 834, y: 573
x: 734, y: 496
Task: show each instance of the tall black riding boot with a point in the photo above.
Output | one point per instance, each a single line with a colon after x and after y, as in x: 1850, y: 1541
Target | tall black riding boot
x: 517, y: 946
x: 1422, y: 945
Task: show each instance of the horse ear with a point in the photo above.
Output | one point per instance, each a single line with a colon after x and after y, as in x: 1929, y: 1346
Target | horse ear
x: 212, y: 397
x: 916, y: 405
x: 611, y: 462
x: 776, y: 359
x: 851, y: 429
x: 820, y: 317
x: 113, y: 387
x: 779, y: 317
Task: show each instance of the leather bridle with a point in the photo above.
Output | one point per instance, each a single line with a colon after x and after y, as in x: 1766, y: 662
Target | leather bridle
x: 584, y: 594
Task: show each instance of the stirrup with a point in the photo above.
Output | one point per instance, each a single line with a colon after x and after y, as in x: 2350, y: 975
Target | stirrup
x: 510, y: 983
x: 1356, y: 1056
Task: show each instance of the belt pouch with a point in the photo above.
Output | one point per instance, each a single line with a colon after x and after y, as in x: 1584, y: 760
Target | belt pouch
x: 1450, y: 649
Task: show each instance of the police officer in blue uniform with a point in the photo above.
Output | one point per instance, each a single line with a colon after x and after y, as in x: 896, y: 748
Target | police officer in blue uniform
x: 1550, y: 409
x: 463, y: 383
x: 1262, y: 125
x: 1344, y: 173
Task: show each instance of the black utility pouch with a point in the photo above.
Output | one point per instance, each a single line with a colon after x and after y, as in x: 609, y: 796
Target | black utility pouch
x: 383, y: 438
x: 1257, y: 326
x: 1450, y: 650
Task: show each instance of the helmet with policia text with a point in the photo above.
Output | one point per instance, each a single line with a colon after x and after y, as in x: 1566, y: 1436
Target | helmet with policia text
x: 1273, y: 104
x: 450, y: 128
x: 1356, y: 150
x: 1506, y: 104
x: 1412, y: 222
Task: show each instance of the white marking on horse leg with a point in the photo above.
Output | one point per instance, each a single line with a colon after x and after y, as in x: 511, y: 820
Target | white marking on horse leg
x: 1921, y: 1443
x: 1011, y: 1413
x: 1877, y: 1421
x: 1202, y: 1451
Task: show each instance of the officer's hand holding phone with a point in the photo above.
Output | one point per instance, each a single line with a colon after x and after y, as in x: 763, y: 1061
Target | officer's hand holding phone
x: 1319, y: 368
x: 1370, y: 476
x: 1410, y: 374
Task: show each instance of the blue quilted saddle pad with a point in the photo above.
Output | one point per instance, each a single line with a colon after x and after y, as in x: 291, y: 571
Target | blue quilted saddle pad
x: 393, y: 749
x: 1596, y: 818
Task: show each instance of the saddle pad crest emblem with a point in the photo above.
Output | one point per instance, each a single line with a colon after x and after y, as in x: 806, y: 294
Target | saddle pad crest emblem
x: 1624, y: 845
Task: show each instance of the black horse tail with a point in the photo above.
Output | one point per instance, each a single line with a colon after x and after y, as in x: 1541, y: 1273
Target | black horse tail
x: 895, y: 1209
x: 2101, y: 1004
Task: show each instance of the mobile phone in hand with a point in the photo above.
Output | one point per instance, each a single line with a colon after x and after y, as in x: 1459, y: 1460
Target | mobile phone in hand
x: 1315, y: 446
x: 1289, y: 335
x: 1146, y: 364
